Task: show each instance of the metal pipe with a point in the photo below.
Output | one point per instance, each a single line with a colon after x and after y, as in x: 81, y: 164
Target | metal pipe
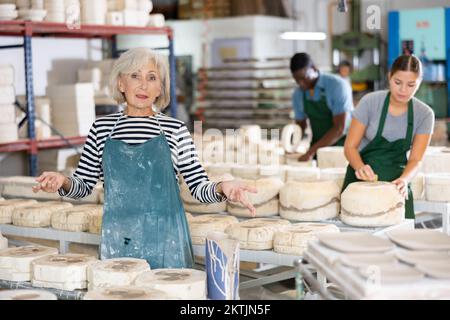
x: 306, y: 274
x: 33, y: 163
x: 12, y: 46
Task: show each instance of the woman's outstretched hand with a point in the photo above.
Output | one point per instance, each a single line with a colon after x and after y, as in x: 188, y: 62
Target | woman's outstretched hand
x: 235, y: 191
x: 50, y: 182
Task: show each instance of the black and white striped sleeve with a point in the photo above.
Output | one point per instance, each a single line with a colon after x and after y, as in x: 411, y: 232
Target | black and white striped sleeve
x: 193, y: 172
x: 88, y: 172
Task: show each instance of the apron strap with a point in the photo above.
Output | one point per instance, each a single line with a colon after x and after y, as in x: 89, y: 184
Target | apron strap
x: 383, y: 115
x: 161, y: 131
x: 115, y: 125
x: 409, y: 132
x: 410, y: 129
x: 322, y: 95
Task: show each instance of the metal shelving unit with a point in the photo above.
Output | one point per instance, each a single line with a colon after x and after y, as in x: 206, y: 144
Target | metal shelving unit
x: 28, y: 30
x: 245, y: 91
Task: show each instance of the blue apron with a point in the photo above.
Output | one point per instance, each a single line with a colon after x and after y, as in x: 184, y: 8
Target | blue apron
x: 143, y: 212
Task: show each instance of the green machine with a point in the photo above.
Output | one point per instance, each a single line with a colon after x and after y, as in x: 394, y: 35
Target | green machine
x: 362, y: 50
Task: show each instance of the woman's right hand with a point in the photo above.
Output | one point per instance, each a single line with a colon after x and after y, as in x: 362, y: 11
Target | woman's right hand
x: 365, y: 173
x: 51, y: 181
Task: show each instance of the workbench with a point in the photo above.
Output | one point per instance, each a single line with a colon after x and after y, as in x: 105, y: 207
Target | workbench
x: 282, y: 264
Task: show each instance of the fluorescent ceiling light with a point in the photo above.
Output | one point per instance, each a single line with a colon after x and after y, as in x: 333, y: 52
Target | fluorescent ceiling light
x: 303, y: 35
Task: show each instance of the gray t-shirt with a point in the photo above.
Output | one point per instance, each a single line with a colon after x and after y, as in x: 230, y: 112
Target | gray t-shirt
x: 368, y: 112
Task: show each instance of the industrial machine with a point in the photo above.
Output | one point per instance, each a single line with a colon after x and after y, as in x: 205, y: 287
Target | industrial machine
x: 426, y: 34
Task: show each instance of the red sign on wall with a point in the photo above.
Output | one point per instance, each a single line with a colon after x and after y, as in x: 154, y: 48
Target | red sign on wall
x: 422, y: 24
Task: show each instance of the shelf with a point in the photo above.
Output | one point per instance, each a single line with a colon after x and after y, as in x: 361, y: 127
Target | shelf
x: 47, y: 29
x: 51, y: 143
x: 259, y: 79
x: 237, y: 68
x: 259, y: 90
x: 61, y: 294
x: 28, y: 29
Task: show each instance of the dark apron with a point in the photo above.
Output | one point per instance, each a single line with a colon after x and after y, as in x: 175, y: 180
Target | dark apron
x: 143, y: 212
x: 320, y: 117
x: 387, y: 159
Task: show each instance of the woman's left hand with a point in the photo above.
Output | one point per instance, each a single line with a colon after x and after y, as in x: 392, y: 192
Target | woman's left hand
x: 402, y: 186
x: 237, y: 192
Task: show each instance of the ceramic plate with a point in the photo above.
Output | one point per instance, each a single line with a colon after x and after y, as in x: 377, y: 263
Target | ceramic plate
x: 391, y: 273
x: 436, y: 269
x: 421, y: 239
x: 355, y: 260
x: 355, y: 242
x: 415, y: 257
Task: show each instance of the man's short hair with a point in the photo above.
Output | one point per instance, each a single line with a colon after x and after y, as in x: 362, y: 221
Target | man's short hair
x: 300, y: 61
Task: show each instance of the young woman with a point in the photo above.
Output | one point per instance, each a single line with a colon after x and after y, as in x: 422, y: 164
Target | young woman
x: 386, y: 125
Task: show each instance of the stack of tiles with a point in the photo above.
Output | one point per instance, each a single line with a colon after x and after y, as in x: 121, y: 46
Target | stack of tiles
x: 184, y: 284
x: 115, y: 272
x: 7, y: 207
x: 56, y: 11
x: 73, y: 108
x: 8, y: 126
x: 63, y: 272
x: 129, y: 12
x: 15, y: 263
x: 37, y: 215
x: 31, y: 10
x: 94, y: 12
x: 8, y: 11
x: 75, y: 219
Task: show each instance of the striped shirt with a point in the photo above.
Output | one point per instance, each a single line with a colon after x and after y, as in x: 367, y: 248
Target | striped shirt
x: 137, y: 130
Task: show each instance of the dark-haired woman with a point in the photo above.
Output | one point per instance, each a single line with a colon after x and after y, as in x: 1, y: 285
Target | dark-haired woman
x: 386, y: 125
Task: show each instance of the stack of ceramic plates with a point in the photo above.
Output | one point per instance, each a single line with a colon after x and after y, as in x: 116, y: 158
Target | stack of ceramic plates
x: 23, y: 4
x: 55, y: 10
x: 28, y: 4
x: 145, y: 5
x: 37, y: 4
x: 8, y: 126
x: 93, y: 12
x: 73, y: 11
x: 115, y: 18
x: 32, y: 14
x: 8, y: 12
x: 355, y: 242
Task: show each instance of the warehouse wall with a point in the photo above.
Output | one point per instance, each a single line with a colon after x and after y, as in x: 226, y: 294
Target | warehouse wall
x: 66, y: 54
x: 190, y: 35
x: 13, y: 164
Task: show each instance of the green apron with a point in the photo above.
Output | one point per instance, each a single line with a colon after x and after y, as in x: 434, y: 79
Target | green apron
x: 143, y: 212
x: 320, y: 117
x: 387, y: 159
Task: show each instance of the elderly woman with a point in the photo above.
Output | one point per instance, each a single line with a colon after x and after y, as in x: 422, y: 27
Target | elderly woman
x: 138, y: 153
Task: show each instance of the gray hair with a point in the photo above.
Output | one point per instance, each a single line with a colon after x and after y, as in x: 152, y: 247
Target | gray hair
x: 130, y: 62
